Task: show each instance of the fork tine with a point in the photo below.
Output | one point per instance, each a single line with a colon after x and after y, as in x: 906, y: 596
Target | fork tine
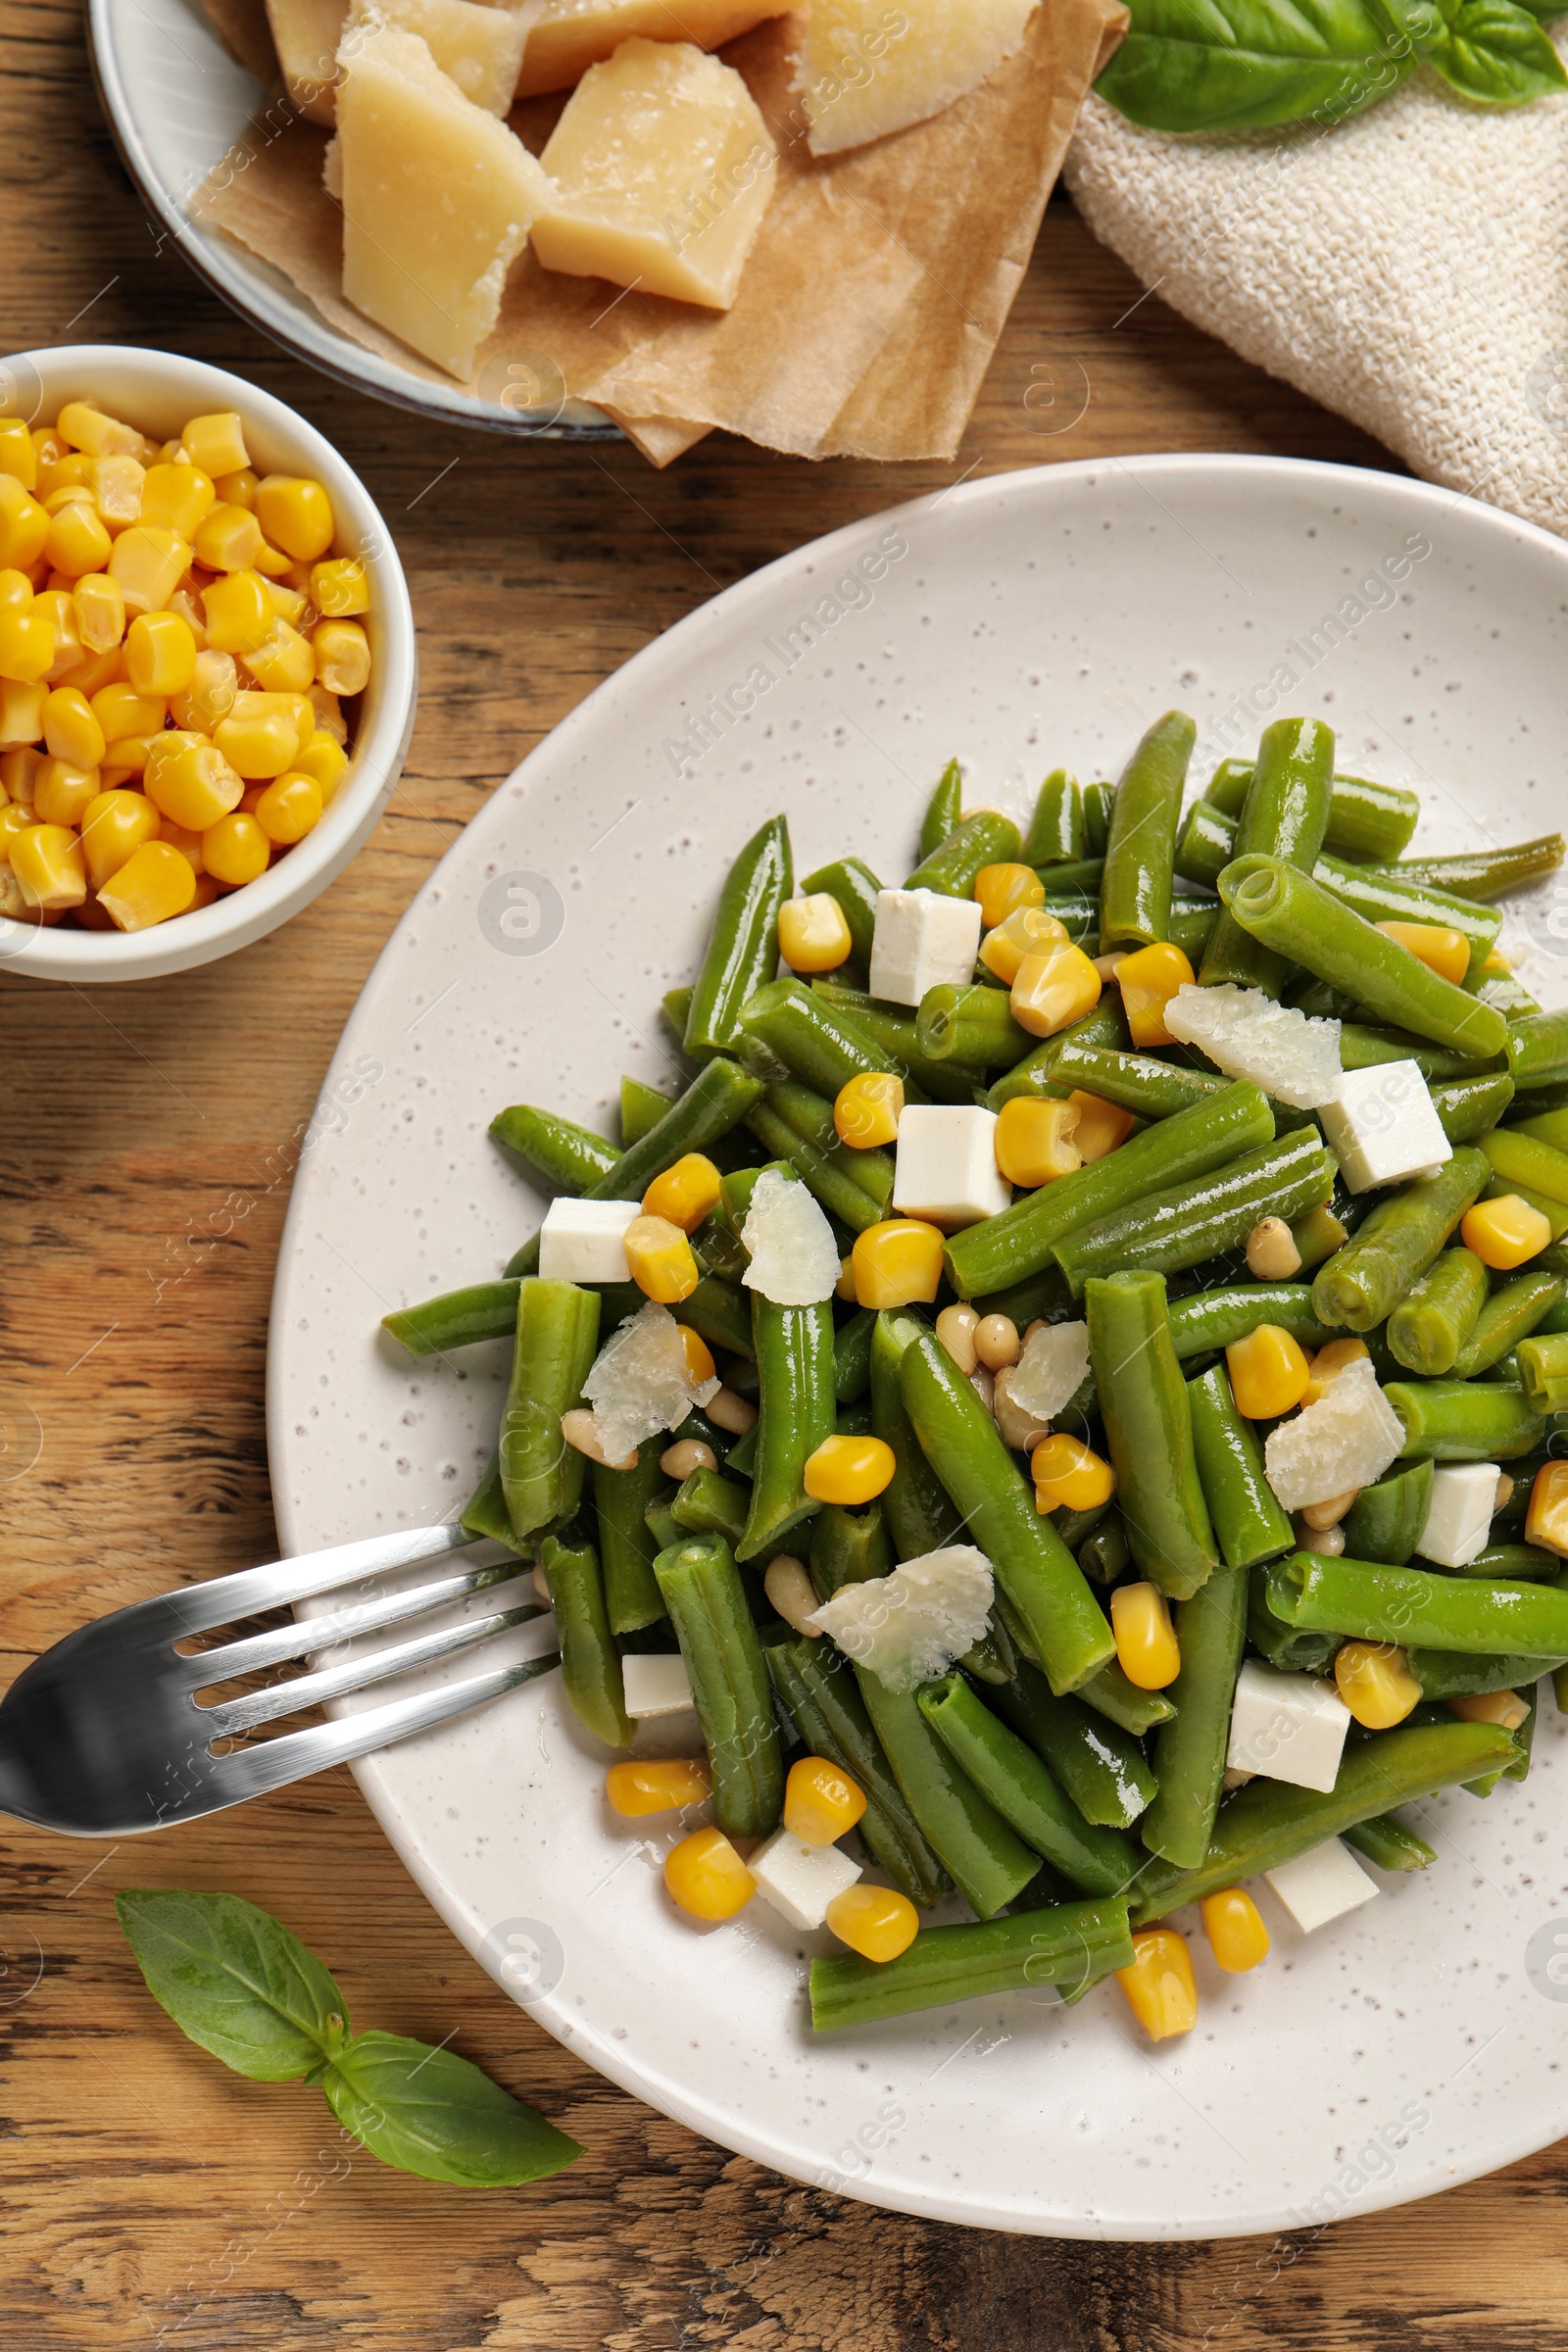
x: 243, y: 1714
x: 313, y: 1634
x: 198, y: 1608
x: 295, y: 1755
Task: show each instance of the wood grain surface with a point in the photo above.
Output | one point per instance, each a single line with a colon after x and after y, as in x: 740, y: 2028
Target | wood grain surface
x: 152, y: 2197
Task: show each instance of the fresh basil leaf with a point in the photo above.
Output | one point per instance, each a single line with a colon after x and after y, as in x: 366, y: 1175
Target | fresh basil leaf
x: 1545, y: 12
x: 236, y: 1981
x: 1250, y: 65
x: 1420, y: 23
x: 1497, y: 54
x: 428, y: 2111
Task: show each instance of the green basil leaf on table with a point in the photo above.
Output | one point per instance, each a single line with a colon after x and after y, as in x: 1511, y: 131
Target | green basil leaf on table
x: 1252, y: 65
x: 1495, y: 53
x: 428, y: 2111
x: 1545, y: 12
x: 234, y: 1979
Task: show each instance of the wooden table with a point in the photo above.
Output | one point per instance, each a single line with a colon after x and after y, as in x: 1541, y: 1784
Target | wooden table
x: 153, y: 2196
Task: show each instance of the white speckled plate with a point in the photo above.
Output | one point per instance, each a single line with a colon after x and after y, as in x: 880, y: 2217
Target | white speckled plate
x: 1020, y: 621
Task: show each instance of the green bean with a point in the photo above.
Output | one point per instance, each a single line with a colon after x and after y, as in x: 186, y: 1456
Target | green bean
x: 1035, y: 1077
x: 1464, y: 1420
x: 1008, y: 1247
x: 715, y: 1102
x: 848, y: 1548
x: 486, y: 1311
x: 943, y: 812
x: 973, y: 1025
x: 795, y: 1413
x: 1025, y: 1791
x: 1452, y: 1674
x: 828, y: 1177
x: 1044, y: 1294
x: 1212, y: 1320
x: 1083, y: 877
x: 1271, y: 1822
x: 1190, y: 928
x: 852, y: 882
x: 822, y: 1700
x: 1382, y: 898
x: 1135, y: 890
x: 1137, y: 1082
x: 720, y: 1314
x: 622, y: 1498
x: 1549, y: 1127
x: 1301, y: 919
x: 893, y: 1032
x: 1110, y: 1692
x: 708, y: 1504
x: 821, y: 1044
x: 1433, y: 1320
x: 1371, y: 820
x: 1227, y: 788
x: 486, y: 1513
x: 985, y: 839
x: 919, y: 1515
x: 811, y: 1116
x: 1384, y: 1520
x: 1468, y: 1106
x: 730, y: 1686
x: 1281, y: 1643
x: 1489, y: 873
x: 1204, y: 846
x: 1104, y: 1558
x: 1500, y: 990
x: 1078, y: 915
x: 1524, y: 1738
x: 1385, y: 1840
x: 1525, y: 1159
x: 1189, y: 1753
x: 1248, y: 1524
x: 851, y: 1356
x: 1364, y: 1282
x: 1099, y: 802
x: 662, y: 1523
x: 741, y: 1455
x: 1149, y: 1429
x: 589, y: 1666
x: 1543, y: 1370
x: 1073, y: 1526
x: 1030, y: 1562
x: 743, y: 948
x: 1363, y: 1048
x: 986, y: 1859
x: 558, y: 1335
x: 1284, y: 815
x: 1168, y: 1231
x: 1101, y: 1767
x: 565, y: 1155
x: 1317, y: 1236
x: 675, y: 1005
x: 1510, y: 1315
x: 1520, y: 1563
x: 1418, y: 1606
x: 1056, y: 834
x: 1066, y: 1944
x: 1537, y: 1049
x: 641, y: 1110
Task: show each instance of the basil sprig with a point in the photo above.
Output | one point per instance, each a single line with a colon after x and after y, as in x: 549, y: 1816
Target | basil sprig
x: 238, y: 1982
x: 1260, y: 65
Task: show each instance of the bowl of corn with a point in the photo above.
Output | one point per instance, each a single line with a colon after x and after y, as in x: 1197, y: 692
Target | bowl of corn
x: 208, y: 671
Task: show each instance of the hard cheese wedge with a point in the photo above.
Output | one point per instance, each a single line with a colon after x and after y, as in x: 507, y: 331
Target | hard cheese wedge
x: 480, y: 47
x: 566, y: 37
x: 872, y: 68
x: 305, y: 34
x: 663, y: 169
x: 437, y: 198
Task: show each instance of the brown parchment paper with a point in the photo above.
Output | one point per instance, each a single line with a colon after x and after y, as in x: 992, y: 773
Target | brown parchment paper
x: 870, y: 308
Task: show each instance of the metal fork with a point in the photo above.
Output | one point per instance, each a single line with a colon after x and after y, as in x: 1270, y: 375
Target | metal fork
x: 102, y: 1737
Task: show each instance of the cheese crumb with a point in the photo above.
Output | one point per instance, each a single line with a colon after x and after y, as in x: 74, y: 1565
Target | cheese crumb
x: 911, y: 1625
x: 641, y: 1383
x: 795, y: 1260
x: 1247, y: 1035
x: 1348, y: 1439
x: 1050, y: 1370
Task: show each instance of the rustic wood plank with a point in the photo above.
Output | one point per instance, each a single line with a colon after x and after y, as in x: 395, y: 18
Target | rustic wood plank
x: 145, y: 1160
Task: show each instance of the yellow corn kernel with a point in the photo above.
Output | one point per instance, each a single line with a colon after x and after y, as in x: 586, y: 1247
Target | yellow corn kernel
x: 238, y: 489
x: 121, y: 711
x: 235, y: 850
x: 115, y: 483
x: 154, y: 884
x: 1546, y: 1519
x: 15, y: 591
x: 237, y: 612
x: 1101, y: 1125
x: 57, y: 607
x: 100, y: 611
x: 181, y: 497
x: 843, y: 1288
x: 272, y: 564
x: 46, y: 860
x: 160, y: 656
x: 866, y: 1109
x: 78, y: 541
x: 217, y: 442
x: 191, y: 846
x: 1442, y: 950
x: 685, y: 1194
x: 1068, y: 1472
x: 706, y: 1876
x: 72, y: 729
x: 340, y: 589
x: 1375, y: 1683
x: 27, y: 643
x: 343, y: 665
x: 292, y: 604
x: 190, y: 781
x: 302, y: 713
x: 60, y: 500
x: 1159, y: 1986
x: 23, y: 526
x: 124, y: 757
x: 147, y: 561
x: 812, y: 934
x: 69, y: 470
x: 876, y: 1922
x: 288, y: 810
x: 848, y: 1470
x: 1053, y: 990
x: 62, y: 792
x: 82, y: 424
x: 114, y: 824
x: 1147, y: 1648
x: 821, y: 1803
x: 328, y: 713
x: 296, y: 514
x: 1505, y: 1708
x: 15, y: 818
x: 1234, y: 1925
x: 1327, y: 1365
x: 22, y: 711
x: 18, y: 771
x: 229, y: 539
x: 1027, y: 931
x: 18, y: 456
x: 1147, y: 981
x: 700, y: 1363
x: 897, y: 1262
x: 659, y: 1257
x: 211, y: 694
x: 662, y: 1785
x: 1035, y: 1141
x: 1505, y: 1232
x: 258, y: 744
x: 1005, y: 890
x: 1268, y: 1372
x: 1497, y: 966
x: 286, y: 661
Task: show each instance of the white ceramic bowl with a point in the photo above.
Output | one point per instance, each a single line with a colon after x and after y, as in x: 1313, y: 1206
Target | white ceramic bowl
x: 157, y: 391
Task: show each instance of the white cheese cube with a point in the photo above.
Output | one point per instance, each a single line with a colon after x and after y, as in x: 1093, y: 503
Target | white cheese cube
x: 1383, y: 1127
x: 1459, y: 1518
x: 1287, y: 1727
x: 946, y: 1170
x: 656, y: 1682
x: 585, y: 1241
x: 922, y: 940
x: 800, y: 1881
x: 1321, y: 1885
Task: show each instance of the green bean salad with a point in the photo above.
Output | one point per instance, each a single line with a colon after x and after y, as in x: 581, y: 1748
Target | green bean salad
x: 1060, y: 1412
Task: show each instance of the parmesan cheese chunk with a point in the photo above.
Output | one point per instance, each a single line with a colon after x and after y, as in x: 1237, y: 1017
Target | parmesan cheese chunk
x: 1348, y: 1439
x: 872, y: 68
x: 437, y: 198
x: 1052, y: 1369
x: 911, y: 1625
x: 564, y: 37
x: 480, y: 47
x: 1290, y: 1056
x: 663, y: 169
x: 641, y: 1383
x: 305, y: 34
x: 795, y: 1260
